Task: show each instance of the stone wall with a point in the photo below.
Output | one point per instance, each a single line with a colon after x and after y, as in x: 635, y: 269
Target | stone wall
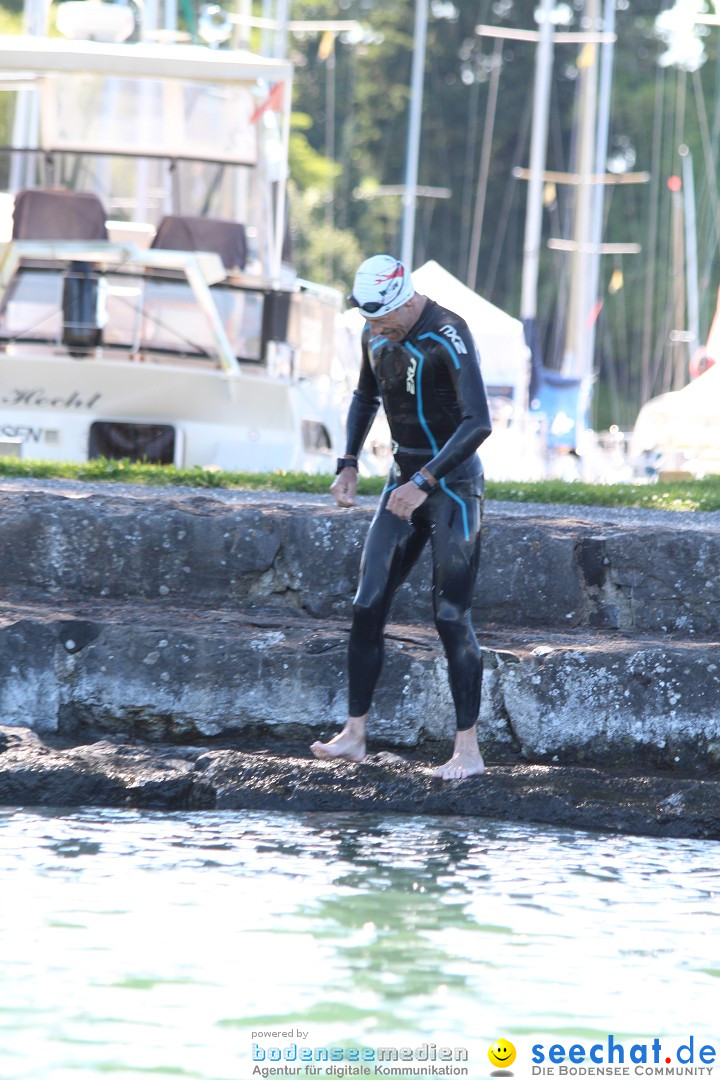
x: 173, y: 614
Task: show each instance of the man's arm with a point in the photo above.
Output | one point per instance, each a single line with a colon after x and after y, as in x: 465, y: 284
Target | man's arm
x: 458, y: 348
x: 363, y: 407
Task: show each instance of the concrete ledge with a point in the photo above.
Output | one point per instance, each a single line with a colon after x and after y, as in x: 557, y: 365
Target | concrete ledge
x: 165, y: 673
x: 113, y: 773
x: 542, y: 566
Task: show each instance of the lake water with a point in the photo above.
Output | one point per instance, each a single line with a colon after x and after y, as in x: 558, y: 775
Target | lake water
x: 141, y: 944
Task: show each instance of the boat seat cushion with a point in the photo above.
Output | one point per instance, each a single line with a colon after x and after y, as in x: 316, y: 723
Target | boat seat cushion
x: 56, y: 214
x: 226, y: 238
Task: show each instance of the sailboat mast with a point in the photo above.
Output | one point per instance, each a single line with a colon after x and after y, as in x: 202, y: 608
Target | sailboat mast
x: 691, y: 253
x: 676, y: 354
x: 413, y: 144
x: 576, y: 361
x: 601, y: 147
x: 538, y: 153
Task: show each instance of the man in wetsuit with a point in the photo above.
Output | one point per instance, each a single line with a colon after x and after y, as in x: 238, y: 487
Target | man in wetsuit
x: 420, y: 360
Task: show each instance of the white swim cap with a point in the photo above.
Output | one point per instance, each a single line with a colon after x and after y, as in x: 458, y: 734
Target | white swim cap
x: 381, y: 284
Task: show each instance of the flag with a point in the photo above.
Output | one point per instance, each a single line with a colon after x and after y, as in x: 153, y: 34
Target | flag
x: 593, y: 314
x: 586, y: 59
x: 273, y: 101
x: 326, y: 46
x: 616, y: 282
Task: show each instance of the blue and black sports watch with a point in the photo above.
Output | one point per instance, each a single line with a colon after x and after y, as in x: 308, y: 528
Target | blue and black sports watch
x: 421, y: 481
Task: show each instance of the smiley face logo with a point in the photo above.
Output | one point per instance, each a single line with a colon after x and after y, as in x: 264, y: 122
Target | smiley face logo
x: 501, y: 1053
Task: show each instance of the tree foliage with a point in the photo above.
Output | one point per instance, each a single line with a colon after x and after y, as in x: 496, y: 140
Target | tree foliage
x: 654, y: 110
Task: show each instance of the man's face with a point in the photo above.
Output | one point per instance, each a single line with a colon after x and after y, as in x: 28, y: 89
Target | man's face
x: 395, y: 325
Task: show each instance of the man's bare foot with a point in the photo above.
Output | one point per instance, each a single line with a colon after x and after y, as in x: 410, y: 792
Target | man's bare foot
x: 460, y: 766
x: 466, y: 760
x: 348, y: 744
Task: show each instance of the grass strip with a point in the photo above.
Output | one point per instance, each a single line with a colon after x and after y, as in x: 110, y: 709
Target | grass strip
x: 681, y: 495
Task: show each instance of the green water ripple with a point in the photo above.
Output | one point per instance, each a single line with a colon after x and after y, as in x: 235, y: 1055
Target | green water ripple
x: 140, y: 944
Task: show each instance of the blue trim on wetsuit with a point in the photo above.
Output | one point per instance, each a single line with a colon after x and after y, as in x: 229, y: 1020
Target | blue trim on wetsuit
x: 419, y: 399
x: 448, y: 346
x: 463, y: 507
x: 424, y: 424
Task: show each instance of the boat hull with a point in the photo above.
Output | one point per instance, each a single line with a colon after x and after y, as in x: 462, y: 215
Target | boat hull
x: 244, y: 421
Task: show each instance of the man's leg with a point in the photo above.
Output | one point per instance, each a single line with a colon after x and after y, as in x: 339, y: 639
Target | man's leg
x: 456, y: 555
x: 391, y: 549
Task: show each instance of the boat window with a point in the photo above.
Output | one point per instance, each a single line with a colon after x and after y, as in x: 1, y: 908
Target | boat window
x: 316, y: 437
x: 151, y: 443
x: 33, y: 307
x: 156, y: 117
x: 199, y: 147
x: 173, y: 322
x: 311, y: 330
x: 137, y: 313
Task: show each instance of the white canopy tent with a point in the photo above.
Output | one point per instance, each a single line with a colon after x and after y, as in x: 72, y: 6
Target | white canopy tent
x: 679, y: 430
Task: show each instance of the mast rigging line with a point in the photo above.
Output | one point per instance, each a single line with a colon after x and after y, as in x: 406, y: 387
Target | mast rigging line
x: 481, y: 190
x: 647, y: 374
x: 508, y: 196
x: 710, y: 172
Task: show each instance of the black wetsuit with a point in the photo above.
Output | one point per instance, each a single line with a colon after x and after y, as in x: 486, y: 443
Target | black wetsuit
x: 433, y: 395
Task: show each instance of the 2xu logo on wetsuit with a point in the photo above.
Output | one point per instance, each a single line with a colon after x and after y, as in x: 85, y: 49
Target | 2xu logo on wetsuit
x: 458, y: 344
x: 410, y: 376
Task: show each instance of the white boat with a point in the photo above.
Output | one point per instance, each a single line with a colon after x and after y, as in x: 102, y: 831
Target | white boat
x: 147, y: 310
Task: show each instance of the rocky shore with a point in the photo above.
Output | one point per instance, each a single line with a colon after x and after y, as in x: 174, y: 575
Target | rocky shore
x: 178, y: 649
x: 128, y: 774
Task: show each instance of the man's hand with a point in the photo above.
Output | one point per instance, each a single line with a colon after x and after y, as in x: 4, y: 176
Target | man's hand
x: 405, y: 499
x: 344, y: 487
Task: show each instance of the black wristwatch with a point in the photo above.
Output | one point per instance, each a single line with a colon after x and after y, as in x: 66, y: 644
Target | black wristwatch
x: 422, y: 482
x: 347, y: 462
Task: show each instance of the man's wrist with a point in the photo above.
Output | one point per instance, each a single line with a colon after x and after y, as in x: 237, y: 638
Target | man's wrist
x: 425, y: 482
x: 349, y: 461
